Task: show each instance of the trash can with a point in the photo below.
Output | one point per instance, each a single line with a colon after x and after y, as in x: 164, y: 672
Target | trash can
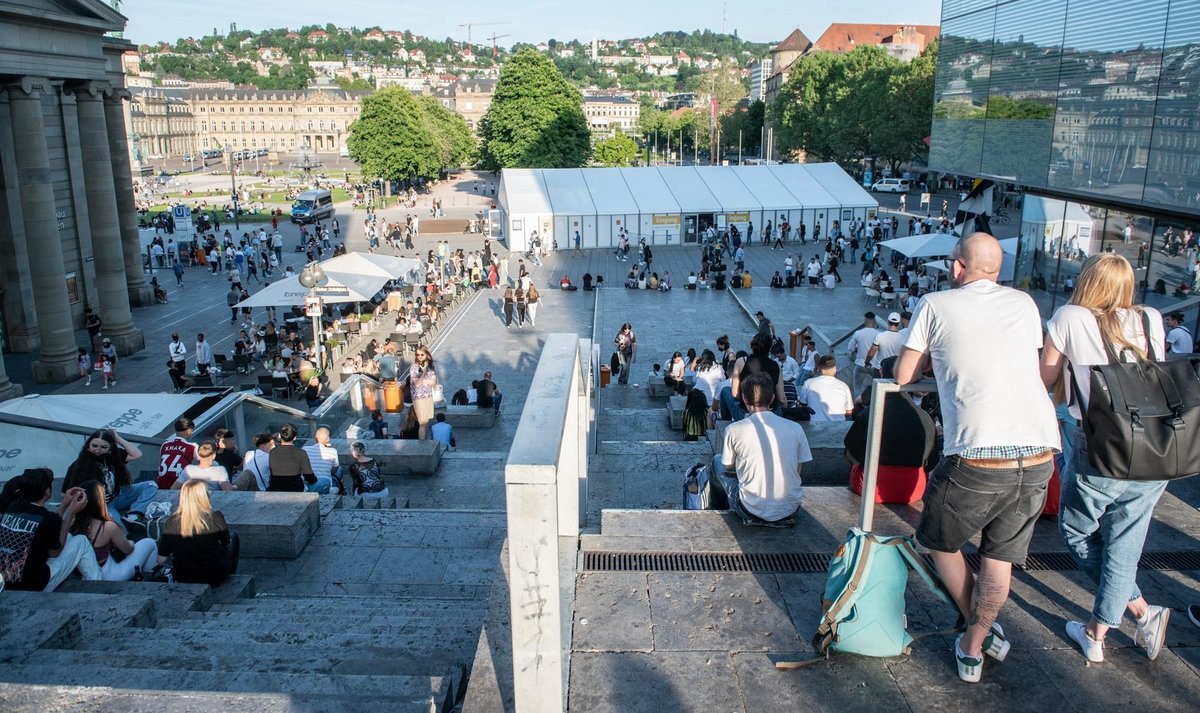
x: 793, y: 337
x: 393, y: 397
x: 605, y: 375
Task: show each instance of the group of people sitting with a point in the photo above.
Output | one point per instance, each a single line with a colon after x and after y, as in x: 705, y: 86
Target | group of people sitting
x: 638, y: 280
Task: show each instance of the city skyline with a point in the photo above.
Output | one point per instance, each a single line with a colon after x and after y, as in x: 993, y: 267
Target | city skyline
x: 152, y: 21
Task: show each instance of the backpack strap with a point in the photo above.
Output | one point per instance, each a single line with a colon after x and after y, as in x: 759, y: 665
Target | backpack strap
x: 846, y: 599
x: 918, y: 564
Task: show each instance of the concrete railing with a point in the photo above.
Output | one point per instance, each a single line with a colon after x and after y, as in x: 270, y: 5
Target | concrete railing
x: 546, y: 489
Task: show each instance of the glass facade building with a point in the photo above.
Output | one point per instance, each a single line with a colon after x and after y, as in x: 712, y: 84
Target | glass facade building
x: 1080, y: 97
x: 1096, y: 103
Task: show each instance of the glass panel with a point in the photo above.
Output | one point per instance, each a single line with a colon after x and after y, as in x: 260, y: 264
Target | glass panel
x: 347, y: 410
x: 1171, y: 276
x: 1107, y: 90
x: 1023, y: 90
x: 1173, y: 172
x: 960, y: 93
x: 954, y: 8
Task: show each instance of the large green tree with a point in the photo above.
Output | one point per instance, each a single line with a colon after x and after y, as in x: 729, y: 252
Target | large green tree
x: 616, y: 150
x: 392, y: 139
x: 456, y: 143
x: 535, y: 119
x: 859, y: 104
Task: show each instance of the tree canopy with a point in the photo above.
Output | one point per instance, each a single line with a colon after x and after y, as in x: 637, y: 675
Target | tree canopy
x: 616, y: 150
x: 862, y: 103
x: 535, y: 119
x: 394, y: 137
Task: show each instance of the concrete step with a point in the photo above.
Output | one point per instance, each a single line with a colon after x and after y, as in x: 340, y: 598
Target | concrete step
x: 99, y: 614
x: 274, y: 659
x: 436, y: 692
x: 356, y: 605
x: 420, y: 518
x: 315, y: 588
x: 23, y: 631
x: 36, y: 698
x: 327, y: 618
x: 633, y: 447
x: 170, y: 599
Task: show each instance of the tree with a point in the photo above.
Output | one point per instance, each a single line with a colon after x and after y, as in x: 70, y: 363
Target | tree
x: 391, y: 138
x: 535, y: 119
x: 617, y: 150
x: 456, y: 144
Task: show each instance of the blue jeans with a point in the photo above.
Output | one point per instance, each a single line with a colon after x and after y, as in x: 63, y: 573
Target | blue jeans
x: 1104, y: 523
x: 623, y: 377
x: 134, y: 498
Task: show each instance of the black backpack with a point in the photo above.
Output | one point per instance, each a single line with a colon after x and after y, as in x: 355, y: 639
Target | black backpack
x: 1143, y: 421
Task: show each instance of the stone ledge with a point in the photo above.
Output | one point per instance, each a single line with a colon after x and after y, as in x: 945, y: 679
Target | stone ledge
x: 470, y: 416
x: 270, y: 525
x: 396, y: 456
x: 675, y: 408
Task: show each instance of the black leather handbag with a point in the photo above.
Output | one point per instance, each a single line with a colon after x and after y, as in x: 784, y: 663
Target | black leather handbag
x: 1143, y: 419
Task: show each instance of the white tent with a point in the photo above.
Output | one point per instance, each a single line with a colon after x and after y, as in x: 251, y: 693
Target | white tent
x: 926, y: 245
x: 371, y: 264
x: 289, y: 291
x: 667, y: 204
x: 1045, y: 220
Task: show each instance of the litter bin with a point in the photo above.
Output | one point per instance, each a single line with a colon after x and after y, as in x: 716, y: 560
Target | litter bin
x: 605, y: 375
x: 793, y: 337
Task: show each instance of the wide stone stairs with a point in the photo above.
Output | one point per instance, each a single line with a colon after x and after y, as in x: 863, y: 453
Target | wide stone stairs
x: 300, y: 635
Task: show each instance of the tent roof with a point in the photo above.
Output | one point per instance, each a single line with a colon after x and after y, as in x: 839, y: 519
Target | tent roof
x: 1038, y: 209
x: 155, y: 412
x: 689, y: 190
x: 679, y: 189
x: 734, y: 195
x: 568, y: 192
x: 524, y: 191
x: 844, y: 189
x: 649, y: 190
x: 761, y: 181
x: 610, y: 192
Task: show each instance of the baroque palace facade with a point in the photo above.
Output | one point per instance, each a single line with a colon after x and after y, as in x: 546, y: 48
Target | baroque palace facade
x: 68, y: 226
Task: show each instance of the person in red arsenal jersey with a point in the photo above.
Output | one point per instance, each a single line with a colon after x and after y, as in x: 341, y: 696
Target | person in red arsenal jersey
x: 176, y: 453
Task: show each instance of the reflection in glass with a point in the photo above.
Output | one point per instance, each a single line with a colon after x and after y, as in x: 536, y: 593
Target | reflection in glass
x: 1173, y: 172
x: 961, y: 92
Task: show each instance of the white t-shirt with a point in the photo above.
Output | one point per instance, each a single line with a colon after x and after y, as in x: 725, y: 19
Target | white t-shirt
x: 828, y: 396
x: 813, y: 269
x: 889, y: 344
x: 983, y: 339
x: 214, y: 475
x: 861, y: 343
x: 1179, y: 340
x: 709, y: 380
x: 258, y: 462
x: 767, y: 451
x: 1074, y: 332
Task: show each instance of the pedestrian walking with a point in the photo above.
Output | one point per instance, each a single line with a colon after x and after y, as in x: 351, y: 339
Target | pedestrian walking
x: 85, y: 366
x: 177, y: 268
x: 626, y: 347
x: 232, y: 298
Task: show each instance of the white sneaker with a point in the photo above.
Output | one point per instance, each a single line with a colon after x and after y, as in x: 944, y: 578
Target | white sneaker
x: 1152, y: 631
x: 970, y: 668
x: 995, y: 645
x: 1092, y: 650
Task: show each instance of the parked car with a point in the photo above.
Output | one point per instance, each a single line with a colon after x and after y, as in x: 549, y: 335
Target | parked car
x: 892, y: 185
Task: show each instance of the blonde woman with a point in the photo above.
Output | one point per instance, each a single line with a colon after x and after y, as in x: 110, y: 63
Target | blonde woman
x: 197, y: 540
x: 1104, y: 521
x: 94, y: 522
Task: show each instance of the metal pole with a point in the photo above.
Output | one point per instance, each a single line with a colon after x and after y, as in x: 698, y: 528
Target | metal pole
x: 233, y: 191
x: 739, y: 147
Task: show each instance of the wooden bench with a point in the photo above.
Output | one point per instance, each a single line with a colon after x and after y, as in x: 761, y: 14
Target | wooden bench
x: 271, y: 525
x: 395, y: 456
x: 675, y: 406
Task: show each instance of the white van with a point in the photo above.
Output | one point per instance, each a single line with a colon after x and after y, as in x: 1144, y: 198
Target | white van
x: 892, y: 185
x: 311, y: 206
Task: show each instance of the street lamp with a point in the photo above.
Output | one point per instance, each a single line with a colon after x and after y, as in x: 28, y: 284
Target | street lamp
x: 311, y: 277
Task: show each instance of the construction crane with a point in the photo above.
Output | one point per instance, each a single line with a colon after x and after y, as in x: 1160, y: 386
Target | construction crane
x: 469, y: 25
x: 493, y: 38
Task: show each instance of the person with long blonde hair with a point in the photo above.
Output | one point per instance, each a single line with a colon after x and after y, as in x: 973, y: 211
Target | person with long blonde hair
x: 1104, y: 521
x: 197, y: 540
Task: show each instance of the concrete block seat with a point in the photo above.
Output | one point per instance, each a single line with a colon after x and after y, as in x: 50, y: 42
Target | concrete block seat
x: 470, y: 416
x: 396, y: 456
x: 656, y: 388
x: 675, y: 406
x: 825, y: 440
x: 270, y: 525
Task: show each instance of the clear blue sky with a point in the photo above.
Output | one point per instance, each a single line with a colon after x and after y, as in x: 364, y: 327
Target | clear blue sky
x: 526, y: 20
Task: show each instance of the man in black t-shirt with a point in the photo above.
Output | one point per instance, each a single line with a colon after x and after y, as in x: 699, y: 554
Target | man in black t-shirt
x: 36, y: 550
x: 487, y: 393
x: 290, y: 466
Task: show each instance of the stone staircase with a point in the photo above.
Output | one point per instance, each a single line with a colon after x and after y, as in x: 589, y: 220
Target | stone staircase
x: 284, y: 635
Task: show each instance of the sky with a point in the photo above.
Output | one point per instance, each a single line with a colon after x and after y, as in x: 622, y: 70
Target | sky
x: 524, y: 20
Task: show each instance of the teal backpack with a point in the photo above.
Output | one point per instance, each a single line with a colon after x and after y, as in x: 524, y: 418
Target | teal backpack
x: 863, y: 603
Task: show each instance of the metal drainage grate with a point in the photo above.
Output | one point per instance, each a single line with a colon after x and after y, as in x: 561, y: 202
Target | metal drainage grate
x: 703, y: 562
x: 802, y: 563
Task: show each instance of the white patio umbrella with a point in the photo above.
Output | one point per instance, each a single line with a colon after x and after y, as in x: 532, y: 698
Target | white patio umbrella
x: 289, y: 291
x: 928, y: 245
x: 370, y: 264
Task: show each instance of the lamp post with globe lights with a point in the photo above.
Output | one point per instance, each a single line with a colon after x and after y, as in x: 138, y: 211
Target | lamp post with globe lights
x: 311, y: 277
